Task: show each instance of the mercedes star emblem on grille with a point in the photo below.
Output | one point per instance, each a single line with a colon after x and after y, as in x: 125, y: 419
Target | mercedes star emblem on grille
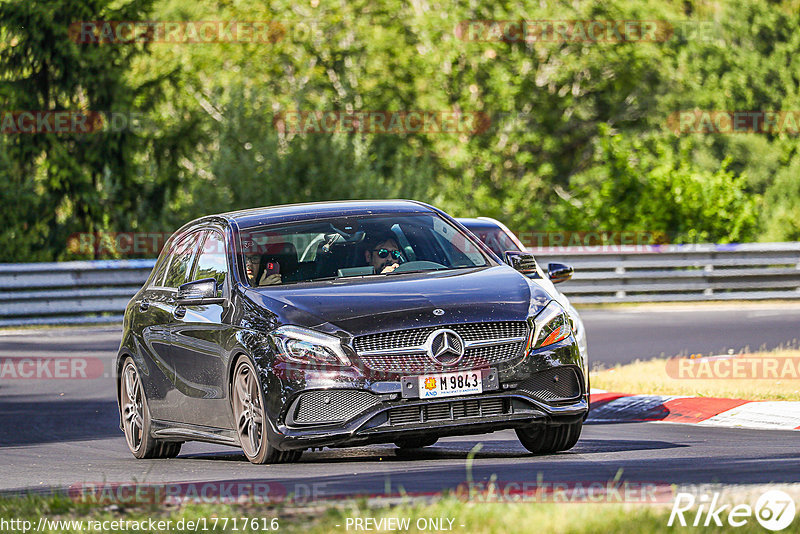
x: 445, y: 346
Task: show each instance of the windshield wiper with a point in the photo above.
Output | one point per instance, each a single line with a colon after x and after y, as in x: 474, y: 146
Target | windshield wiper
x: 419, y: 270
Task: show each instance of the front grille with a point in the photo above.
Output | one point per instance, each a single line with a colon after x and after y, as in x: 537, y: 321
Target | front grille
x: 448, y: 411
x: 416, y: 336
x: 418, y: 363
x: 401, y: 416
x: 558, y: 384
x: 331, y: 405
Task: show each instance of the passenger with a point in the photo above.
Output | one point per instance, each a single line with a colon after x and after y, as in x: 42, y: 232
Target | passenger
x: 383, y: 253
x: 266, y: 277
x: 252, y: 262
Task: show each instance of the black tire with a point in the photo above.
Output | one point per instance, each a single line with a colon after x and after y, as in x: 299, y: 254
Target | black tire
x: 415, y: 443
x: 548, y: 439
x: 247, y: 399
x: 136, y: 418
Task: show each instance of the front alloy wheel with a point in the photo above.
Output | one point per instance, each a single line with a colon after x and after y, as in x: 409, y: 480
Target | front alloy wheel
x: 136, y: 418
x: 248, y: 412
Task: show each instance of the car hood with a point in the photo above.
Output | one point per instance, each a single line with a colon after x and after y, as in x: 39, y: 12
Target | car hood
x: 357, y: 306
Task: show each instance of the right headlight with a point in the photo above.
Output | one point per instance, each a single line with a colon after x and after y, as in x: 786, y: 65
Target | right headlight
x: 302, y: 345
x: 550, y: 326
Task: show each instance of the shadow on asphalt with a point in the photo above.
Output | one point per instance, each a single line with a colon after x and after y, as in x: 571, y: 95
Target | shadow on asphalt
x: 36, y: 422
x: 494, y: 449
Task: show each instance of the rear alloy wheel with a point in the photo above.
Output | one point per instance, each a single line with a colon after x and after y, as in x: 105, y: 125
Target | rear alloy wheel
x: 136, y: 418
x: 547, y: 439
x: 248, y: 412
x: 415, y: 443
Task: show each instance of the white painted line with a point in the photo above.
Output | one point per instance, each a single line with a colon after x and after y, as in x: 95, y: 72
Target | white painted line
x: 777, y: 415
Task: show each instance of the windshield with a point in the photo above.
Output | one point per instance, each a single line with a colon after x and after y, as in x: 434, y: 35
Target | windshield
x: 355, y: 246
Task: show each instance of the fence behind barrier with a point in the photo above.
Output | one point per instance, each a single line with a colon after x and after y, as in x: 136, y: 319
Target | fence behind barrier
x: 97, y: 291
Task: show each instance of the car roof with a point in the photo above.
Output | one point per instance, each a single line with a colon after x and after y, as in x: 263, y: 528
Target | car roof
x: 478, y: 223
x: 312, y: 210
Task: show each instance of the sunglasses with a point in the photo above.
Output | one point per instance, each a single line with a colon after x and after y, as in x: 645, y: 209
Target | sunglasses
x: 382, y: 253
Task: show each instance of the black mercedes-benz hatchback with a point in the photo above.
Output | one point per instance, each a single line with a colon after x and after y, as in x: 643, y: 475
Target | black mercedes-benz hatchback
x: 340, y: 324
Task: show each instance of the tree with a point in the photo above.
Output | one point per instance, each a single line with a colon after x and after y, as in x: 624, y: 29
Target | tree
x: 75, y: 181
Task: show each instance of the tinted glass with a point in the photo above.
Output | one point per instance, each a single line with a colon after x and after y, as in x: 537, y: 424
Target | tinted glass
x: 212, y: 263
x: 356, y: 246
x: 495, y: 238
x: 181, y: 261
x: 161, y: 267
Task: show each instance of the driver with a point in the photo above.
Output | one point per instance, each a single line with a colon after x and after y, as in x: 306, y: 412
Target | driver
x: 383, y: 253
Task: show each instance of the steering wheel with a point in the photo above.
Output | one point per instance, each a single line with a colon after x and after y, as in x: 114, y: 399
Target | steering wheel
x: 418, y: 265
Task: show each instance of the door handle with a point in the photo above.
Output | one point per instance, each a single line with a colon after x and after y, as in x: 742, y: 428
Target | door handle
x: 144, y: 305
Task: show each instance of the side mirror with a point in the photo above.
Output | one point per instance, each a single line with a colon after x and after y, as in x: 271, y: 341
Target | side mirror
x: 523, y: 262
x: 198, y: 293
x: 558, y: 272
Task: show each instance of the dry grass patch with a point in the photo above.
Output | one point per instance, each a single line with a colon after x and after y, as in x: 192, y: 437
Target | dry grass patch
x: 759, y: 376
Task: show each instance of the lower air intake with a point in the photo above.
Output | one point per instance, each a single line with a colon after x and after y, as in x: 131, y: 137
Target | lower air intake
x: 331, y: 405
x: 448, y: 411
x: 553, y: 385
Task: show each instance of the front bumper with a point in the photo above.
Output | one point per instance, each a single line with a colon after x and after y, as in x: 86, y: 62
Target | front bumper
x: 376, y: 427
x: 547, y: 387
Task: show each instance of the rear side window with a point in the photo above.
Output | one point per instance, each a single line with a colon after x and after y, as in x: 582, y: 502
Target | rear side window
x: 181, y: 261
x: 212, y: 261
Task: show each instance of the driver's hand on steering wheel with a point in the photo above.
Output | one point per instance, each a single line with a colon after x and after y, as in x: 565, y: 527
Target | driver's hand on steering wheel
x: 390, y: 268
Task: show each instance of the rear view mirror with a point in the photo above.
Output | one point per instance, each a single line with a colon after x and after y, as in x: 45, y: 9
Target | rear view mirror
x: 198, y: 292
x: 558, y: 272
x: 523, y: 262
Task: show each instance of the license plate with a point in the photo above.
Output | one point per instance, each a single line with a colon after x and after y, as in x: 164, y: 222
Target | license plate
x: 450, y: 384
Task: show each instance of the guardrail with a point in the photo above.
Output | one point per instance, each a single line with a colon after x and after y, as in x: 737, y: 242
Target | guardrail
x: 69, y: 292
x: 751, y: 271
x: 97, y: 291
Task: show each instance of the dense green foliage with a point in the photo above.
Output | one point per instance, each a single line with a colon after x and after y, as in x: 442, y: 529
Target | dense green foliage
x: 578, y: 140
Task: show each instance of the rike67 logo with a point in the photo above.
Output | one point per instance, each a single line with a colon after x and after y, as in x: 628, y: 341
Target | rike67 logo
x: 774, y: 510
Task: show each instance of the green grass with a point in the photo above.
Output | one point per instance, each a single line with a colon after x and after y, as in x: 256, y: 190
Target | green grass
x: 477, y: 518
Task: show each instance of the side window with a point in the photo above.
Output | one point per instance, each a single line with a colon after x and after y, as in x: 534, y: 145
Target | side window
x: 181, y: 261
x: 161, y: 268
x: 212, y: 261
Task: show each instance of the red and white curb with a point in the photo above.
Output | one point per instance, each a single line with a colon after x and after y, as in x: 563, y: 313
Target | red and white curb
x: 609, y: 407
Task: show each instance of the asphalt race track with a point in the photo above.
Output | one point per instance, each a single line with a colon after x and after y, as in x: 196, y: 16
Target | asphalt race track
x: 622, y: 335
x: 57, y: 433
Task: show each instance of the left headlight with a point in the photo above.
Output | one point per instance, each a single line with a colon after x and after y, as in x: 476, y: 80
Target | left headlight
x: 301, y: 345
x: 551, y: 325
